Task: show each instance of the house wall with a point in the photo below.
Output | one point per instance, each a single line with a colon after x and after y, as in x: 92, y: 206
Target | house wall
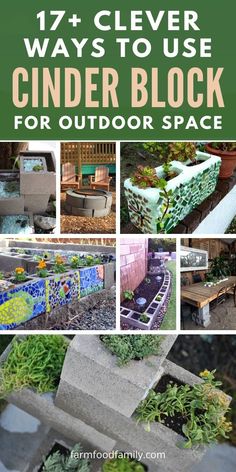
x: 133, y: 262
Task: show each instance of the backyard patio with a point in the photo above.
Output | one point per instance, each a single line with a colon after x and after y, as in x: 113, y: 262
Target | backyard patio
x: 88, y: 188
x: 148, y: 287
x: 57, y: 284
x: 208, y: 284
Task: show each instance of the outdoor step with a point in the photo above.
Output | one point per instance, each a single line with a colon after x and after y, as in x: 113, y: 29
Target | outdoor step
x: 91, y: 369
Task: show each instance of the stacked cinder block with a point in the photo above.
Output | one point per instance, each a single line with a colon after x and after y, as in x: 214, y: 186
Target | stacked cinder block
x: 133, y: 262
x: 96, y: 402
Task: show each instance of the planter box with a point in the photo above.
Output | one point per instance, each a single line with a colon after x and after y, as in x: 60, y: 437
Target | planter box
x: 36, y: 183
x: 132, y: 318
x: 91, y: 371
x: 190, y: 188
x: 91, y: 280
x: 22, y: 303
x: 62, y: 289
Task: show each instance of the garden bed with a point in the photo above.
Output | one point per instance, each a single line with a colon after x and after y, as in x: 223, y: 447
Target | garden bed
x: 145, y: 318
x: 146, y: 290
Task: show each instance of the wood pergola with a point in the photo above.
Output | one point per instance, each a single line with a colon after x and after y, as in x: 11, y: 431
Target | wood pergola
x: 74, y: 155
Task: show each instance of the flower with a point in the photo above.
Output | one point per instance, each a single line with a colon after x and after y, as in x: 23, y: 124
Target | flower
x: 19, y: 270
x: 59, y: 259
x: 42, y: 265
x: 205, y: 373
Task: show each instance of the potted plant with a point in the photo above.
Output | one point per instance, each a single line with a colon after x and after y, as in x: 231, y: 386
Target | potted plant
x: 197, y: 412
x: 42, y: 269
x: 158, y: 199
x: 219, y: 269
x: 19, y: 275
x: 227, y: 153
x: 59, y: 265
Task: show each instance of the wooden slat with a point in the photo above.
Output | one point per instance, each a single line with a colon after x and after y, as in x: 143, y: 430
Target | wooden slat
x: 90, y: 153
x: 198, y: 295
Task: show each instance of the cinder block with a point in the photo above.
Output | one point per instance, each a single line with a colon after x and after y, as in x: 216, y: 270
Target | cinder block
x: 12, y: 206
x: 36, y: 203
x: 91, y: 370
x: 109, y: 272
x: 33, y: 183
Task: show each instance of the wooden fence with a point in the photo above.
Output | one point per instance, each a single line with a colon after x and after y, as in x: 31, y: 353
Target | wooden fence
x: 88, y: 153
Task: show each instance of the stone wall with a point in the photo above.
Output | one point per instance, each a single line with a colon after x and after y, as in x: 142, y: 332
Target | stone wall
x: 133, y: 262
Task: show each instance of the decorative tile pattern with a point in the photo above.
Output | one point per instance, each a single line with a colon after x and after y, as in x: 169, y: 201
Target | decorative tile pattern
x: 190, y: 188
x: 22, y: 303
x: 62, y: 289
x: 91, y: 280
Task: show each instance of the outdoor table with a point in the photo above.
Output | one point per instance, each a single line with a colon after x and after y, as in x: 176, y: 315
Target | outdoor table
x: 200, y: 296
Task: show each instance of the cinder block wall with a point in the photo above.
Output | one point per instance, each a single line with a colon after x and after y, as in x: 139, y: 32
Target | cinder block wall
x: 133, y: 262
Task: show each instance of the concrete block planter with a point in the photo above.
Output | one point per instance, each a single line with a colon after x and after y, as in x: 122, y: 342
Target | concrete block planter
x: 33, y: 182
x: 91, y: 280
x: 123, y: 428
x: 61, y: 289
x: 189, y: 188
x: 22, y: 303
x: 91, y: 371
x: 132, y: 318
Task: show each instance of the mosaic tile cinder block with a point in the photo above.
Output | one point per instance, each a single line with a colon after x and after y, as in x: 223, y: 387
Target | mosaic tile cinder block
x: 91, y: 280
x: 189, y: 188
x: 62, y: 289
x: 22, y: 303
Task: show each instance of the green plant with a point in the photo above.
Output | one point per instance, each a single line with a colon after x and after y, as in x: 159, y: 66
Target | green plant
x: 1, y: 276
x: 58, y: 462
x: 202, y: 406
x: 59, y: 265
x: 219, y: 269
x: 34, y: 362
x: 127, y: 347
x: 19, y: 274
x: 144, y: 318
x: 42, y: 269
x: 122, y: 464
x: 175, y: 151
x: 228, y: 147
x: 75, y: 262
x: 159, y: 298
x: 128, y: 295
x: 146, y: 177
x: 37, y: 168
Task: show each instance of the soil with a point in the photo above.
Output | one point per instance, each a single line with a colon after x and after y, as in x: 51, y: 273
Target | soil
x: 195, y: 163
x: 145, y: 290
x: 174, y: 422
x: 85, y: 225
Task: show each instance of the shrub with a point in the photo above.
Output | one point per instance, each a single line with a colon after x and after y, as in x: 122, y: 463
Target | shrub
x: 202, y: 406
x: 128, y: 295
x: 34, y: 362
x: 132, y: 346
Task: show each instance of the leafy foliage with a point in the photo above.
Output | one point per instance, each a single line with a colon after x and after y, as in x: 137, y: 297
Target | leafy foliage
x: 127, y: 347
x: 122, y: 465
x: 203, y: 406
x: 224, y: 146
x: 34, y: 362
x: 128, y: 295
x: 172, y: 151
x: 146, y: 177
x: 144, y: 318
x: 57, y: 462
x: 219, y: 269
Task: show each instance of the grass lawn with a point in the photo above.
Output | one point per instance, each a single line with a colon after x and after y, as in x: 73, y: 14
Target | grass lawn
x: 169, y: 321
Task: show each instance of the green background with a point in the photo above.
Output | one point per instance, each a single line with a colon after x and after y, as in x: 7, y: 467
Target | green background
x: 18, y: 20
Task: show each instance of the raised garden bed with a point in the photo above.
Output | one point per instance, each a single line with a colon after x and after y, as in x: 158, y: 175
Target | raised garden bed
x: 22, y: 301
x: 193, y: 184
x: 156, y: 293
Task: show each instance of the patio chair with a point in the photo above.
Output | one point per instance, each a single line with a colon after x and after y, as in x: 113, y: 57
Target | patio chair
x: 101, y: 178
x: 69, y: 178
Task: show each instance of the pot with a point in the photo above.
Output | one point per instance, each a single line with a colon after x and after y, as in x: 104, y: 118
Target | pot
x: 228, y: 161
